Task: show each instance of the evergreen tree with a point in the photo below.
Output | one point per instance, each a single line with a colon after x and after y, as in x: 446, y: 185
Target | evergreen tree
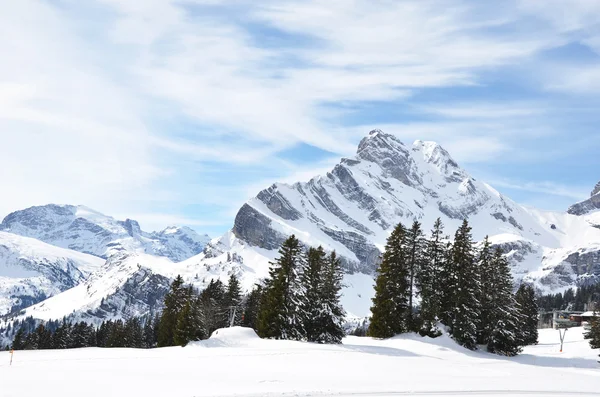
x: 149, y: 341
x: 390, y: 309
x: 281, y: 315
x: 134, y: 334
x: 252, y: 307
x: 174, y: 301
x: 528, y: 307
x: 313, y: 302
x: 414, y: 247
x: 19, y: 340
x: 594, y: 333
x: 466, y: 310
x: 333, y: 315
x: 430, y: 282
x: 487, y: 292
x: 505, y: 320
x: 61, y: 337
x: 211, y: 307
x: 233, y: 301
x: 185, y: 328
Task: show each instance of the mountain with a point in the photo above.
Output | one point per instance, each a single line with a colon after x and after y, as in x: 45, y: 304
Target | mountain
x: 82, y: 229
x: 31, y: 271
x: 588, y: 206
x: 351, y: 209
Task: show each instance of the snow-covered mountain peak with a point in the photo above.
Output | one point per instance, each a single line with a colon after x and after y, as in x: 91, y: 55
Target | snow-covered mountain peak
x: 85, y: 230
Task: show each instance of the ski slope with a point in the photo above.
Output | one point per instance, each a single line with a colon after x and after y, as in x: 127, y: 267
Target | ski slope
x: 234, y: 362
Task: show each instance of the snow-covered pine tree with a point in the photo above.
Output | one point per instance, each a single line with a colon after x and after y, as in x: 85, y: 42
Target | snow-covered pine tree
x: 429, y: 281
x: 211, y: 307
x: 174, y: 301
x: 390, y: 304
x: 487, y: 292
x: 466, y: 310
x: 233, y: 300
x: 505, y: 336
x: 280, y: 316
x: 312, y: 303
x: 333, y: 312
x: 414, y: 247
x: 528, y: 307
x: 594, y: 333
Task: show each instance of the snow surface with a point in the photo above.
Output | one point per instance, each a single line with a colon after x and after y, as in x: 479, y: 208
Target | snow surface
x: 29, y: 267
x: 235, y: 362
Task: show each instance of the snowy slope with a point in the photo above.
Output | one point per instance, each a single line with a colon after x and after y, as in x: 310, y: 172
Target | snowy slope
x: 31, y: 270
x: 234, y: 362
x: 82, y: 229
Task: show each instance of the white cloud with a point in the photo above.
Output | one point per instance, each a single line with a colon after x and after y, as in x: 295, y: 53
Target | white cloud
x: 106, y: 103
x: 576, y: 193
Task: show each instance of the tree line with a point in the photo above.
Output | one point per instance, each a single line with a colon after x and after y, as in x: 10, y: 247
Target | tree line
x: 299, y: 300
x: 571, y: 299
x: 468, y: 290
x: 187, y: 315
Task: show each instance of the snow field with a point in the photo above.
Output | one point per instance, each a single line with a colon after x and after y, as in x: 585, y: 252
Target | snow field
x: 235, y: 362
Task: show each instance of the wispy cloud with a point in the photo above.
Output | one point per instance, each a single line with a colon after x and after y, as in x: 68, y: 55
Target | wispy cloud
x: 126, y: 106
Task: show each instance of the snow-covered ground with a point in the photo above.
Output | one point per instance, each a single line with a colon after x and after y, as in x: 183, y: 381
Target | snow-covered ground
x: 234, y: 362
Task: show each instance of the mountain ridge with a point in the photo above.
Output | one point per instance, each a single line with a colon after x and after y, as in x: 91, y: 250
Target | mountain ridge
x: 83, y: 229
x: 352, y: 210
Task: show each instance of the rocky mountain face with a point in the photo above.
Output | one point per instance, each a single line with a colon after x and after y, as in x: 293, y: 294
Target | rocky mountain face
x: 589, y: 205
x: 82, y: 229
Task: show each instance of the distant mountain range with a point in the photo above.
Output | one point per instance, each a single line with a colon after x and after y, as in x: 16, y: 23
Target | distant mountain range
x: 351, y: 209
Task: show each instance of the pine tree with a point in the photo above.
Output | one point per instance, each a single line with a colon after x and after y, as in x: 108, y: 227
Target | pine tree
x: 134, y: 334
x: 333, y: 315
x: 185, y: 329
x: 487, y: 292
x: 19, y: 340
x: 149, y: 341
x: 392, y: 289
x: 528, y: 307
x: 594, y: 333
x: 174, y: 301
x: 252, y: 307
x: 466, y: 310
x: 233, y: 301
x: 429, y: 280
x: 505, y: 337
x: 281, y: 315
x: 313, y: 301
x: 211, y: 307
x: 414, y: 246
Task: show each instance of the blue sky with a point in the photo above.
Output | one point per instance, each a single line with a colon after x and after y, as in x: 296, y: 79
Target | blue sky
x: 176, y: 112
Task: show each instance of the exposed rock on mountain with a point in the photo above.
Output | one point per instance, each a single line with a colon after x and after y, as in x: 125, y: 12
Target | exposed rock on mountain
x: 82, y: 229
x: 587, y: 206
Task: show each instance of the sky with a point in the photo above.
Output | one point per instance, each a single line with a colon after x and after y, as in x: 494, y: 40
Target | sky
x: 177, y: 112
